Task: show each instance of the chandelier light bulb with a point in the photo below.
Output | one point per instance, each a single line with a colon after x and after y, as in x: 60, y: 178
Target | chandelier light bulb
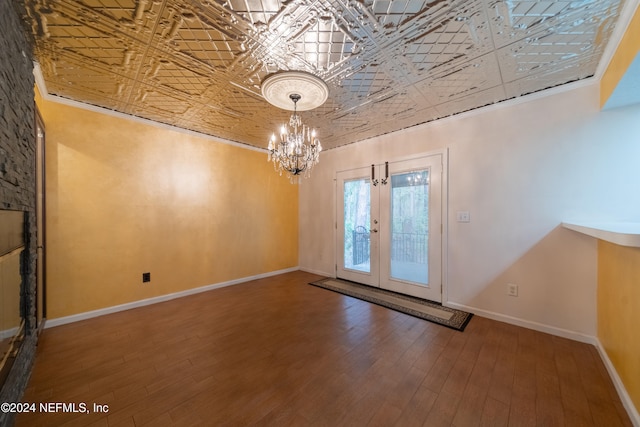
x: 272, y: 144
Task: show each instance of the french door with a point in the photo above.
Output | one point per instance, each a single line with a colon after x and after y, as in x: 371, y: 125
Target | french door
x: 389, y: 226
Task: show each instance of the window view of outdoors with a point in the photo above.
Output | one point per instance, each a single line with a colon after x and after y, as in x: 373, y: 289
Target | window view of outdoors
x: 410, y: 226
x: 357, y: 217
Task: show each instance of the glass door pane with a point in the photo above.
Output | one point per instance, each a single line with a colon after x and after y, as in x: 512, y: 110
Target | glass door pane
x: 357, y: 217
x: 357, y: 237
x: 410, y: 227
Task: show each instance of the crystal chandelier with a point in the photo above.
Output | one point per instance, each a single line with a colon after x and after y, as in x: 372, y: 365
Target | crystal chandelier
x: 298, y: 149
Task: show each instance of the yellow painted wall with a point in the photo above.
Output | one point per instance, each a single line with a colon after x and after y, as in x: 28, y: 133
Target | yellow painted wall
x: 124, y: 198
x: 619, y: 311
x: 625, y: 53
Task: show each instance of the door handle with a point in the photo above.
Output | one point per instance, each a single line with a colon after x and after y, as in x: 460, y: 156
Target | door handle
x: 386, y: 173
x: 374, y: 230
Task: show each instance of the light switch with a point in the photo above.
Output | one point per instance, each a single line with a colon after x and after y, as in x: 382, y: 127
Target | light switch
x: 463, y: 216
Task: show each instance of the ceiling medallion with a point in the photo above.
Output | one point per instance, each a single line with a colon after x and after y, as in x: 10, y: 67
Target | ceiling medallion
x: 299, y: 148
x: 278, y: 88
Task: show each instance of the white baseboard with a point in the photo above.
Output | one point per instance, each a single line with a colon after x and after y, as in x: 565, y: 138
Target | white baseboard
x: 8, y: 333
x: 576, y: 336
x: 318, y: 272
x: 565, y: 333
x: 617, y: 382
x: 154, y: 300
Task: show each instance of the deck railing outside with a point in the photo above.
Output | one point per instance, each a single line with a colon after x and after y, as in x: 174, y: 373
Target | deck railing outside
x: 405, y: 247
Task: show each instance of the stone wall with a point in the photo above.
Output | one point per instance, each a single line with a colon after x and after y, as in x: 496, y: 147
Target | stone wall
x: 17, y: 176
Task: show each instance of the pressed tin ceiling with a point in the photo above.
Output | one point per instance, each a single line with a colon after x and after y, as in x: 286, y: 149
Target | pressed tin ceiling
x: 389, y: 65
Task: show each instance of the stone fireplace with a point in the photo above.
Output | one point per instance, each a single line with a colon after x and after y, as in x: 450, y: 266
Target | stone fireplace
x: 18, y: 191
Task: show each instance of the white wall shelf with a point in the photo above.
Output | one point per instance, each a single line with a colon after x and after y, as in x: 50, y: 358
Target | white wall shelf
x: 620, y: 233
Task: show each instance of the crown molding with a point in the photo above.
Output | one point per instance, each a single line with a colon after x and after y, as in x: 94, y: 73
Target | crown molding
x: 40, y: 83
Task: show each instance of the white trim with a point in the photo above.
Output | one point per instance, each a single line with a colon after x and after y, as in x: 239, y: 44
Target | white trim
x: 154, y: 300
x: 318, y: 272
x: 620, y: 388
x: 444, y: 196
x: 540, y: 327
x: 40, y: 83
x: 39, y: 78
x: 8, y: 333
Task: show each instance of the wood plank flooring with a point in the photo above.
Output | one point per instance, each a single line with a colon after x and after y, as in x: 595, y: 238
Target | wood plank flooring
x: 279, y: 352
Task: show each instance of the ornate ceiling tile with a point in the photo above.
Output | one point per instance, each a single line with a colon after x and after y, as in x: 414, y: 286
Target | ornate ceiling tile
x: 199, y: 64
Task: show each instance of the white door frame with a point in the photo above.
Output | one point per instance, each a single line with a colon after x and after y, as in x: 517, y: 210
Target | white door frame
x: 444, y: 206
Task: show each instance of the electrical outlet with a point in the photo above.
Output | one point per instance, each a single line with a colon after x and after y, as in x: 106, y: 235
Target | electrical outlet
x: 512, y: 290
x: 146, y: 277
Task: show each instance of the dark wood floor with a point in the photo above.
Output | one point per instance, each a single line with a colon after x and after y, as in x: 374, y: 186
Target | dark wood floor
x: 279, y: 352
